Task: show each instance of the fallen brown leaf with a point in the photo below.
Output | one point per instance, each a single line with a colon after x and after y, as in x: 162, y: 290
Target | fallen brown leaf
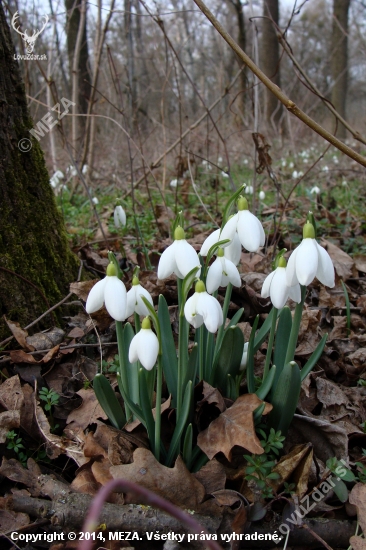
x: 234, y: 426
x: 176, y: 484
x: 12, y: 521
x: 357, y: 543
x: 88, y: 411
x: 8, y: 421
x: 343, y: 263
x: 19, y: 334
x: 11, y: 395
x: 358, y: 498
x: 212, y: 476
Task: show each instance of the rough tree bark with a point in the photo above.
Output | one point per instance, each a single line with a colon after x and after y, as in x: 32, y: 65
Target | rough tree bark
x: 239, y: 10
x: 270, y: 58
x: 33, y: 243
x: 339, y: 61
x: 73, y: 21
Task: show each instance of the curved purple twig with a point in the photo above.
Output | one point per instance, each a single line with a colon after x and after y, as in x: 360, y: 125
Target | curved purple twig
x: 147, y: 497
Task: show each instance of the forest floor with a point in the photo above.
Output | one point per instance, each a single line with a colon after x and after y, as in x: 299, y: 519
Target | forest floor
x: 57, y: 440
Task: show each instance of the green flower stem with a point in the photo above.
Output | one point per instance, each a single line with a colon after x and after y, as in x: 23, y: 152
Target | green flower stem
x: 200, y: 353
x: 159, y: 383
x: 225, y: 309
x: 137, y: 323
x: 122, y: 365
x: 270, y: 342
x: 182, y: 349
x: 295, y: 327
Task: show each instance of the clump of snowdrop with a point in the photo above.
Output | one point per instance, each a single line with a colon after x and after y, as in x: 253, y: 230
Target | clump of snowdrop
x: 109, y: 291
x: 276, y: 287
x: 222, y: 272
x: 202, y: 308
x: 310, y: 260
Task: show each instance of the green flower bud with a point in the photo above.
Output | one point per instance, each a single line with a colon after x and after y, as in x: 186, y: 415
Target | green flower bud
x: 220, y: 252
x: 308, y: 231
x: 135, y: 281
x: 179, y: 233
x: 146, y: 323
x: 111, y: 270
x: 281, y: 262
x: 200, y: 287
x: 242, y: 203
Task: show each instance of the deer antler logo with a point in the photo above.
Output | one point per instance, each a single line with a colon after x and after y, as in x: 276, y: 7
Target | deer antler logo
x: 29, y: 40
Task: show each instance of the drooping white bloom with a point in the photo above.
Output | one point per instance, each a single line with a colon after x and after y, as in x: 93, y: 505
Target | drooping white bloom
x: 109, y: 291
x: 119, y: 217
x: 144, y: 346
x: 276, y: 287
x: 291, y: 165
x: 232, y: 250
x: 222, y: 272
x: 95, y: 200
x: 245, y: 161
x: 219, y: 160
x: 85, y: 169
x: 179, y: 258
x: 310, y: 260
x: 262, y: 195
x: 59, y: 175
x: 314, y: 190
x: 135, y: 304
x: 174, y: 183
x: 224, y: 175
x: 244, y: 357
x: 71, y: 171
x: 248, y: 227
x: 249, y: 190
x: 203, y: 308
x: 325, y: 169
x: 344, y: 183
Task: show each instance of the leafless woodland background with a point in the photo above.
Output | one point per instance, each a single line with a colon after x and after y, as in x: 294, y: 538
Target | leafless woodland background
x: 145, y: 72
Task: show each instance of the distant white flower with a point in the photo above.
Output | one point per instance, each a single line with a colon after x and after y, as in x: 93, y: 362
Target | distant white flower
x: 245, y: 161
x: 203, y: 308
x: 109, y: 291
x: 174, y: 183
x: 291, y: 165
x: 335, y: 159
x: 222, y: 272
x: 262, y: 195
x: 305, y: 160
x: 71, y: 171
x: 248, y: 227
x: 144, y: 346
x: 224, y: 175
x: 95, y: 200
x: 276, y: 287
x: 244, y: 358
x: 325, y: 169
x: 310, y: 260
x: 204, y: 162
x: 219, y: 160
x: 344, y: 183
x: 179, y: 258
x: 283, y: 163
x: 295, y: 174
x: 135, y: 303
x: 59, y: 175
x: 249, y: 190
x: 85, y: 169
x: 119, y: 217
x: 315, y: 190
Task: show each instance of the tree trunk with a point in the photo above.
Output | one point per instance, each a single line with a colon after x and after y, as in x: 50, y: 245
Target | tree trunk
x: 36, y: 264
x: 73, y: 22
x: 270, y: 58
x: 239, y: 10
x: 339, y: 62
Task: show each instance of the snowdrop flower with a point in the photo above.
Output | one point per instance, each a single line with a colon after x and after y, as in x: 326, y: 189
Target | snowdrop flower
x: 144, y: 346
x: 291, y: 165
x: 335, y: 159
x: 283, y: 163
x: 295, y: 174
x: 109, y: 291
x: 224, y: 175
x: 232, y: 250
x: 179, y: 258
x: 203, y: 308
x: 248, y: 227
x: 119, y: 217
x: 174, y: 183
x: 315, y: 190
x: 71, y: 171
x: 59, y: 175
x: 219, y: 160
x: 325, y: 169
x: 262, y: 195
x: 244, y: 358
x: 249, y: 190
x: 135, y: 303
x: 245, y: 161
x: 85, y: 169
x: 95, y: 200
x: 310, y: 260
x: 221, y: 273
x: 344, y: 183
x: 276, y: 287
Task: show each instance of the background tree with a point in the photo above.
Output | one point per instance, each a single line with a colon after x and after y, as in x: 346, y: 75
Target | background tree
x: 270, y: 57
x: 339, y: 61
x: 36, y: 264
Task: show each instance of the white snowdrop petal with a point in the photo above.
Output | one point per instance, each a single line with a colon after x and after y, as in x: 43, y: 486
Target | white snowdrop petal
x: 167, y: 263
x: 294, y: 293
x: 141, y: 308
x: 186, y: 258
x: 214, y: 276
x: 325, y: 272
x: 96, y: 296
x: 131, y: 302
x: 233, y: 251
x: 267, y: 285
x: 119, y: 216
x: 209, y: 241
x: 279, y: 288
x: 244, y: 358
x: 115, y: 298
x: 134, y: 347
x: 232, y: 273
x: 148, y: 349
x: 206, y: 306
x: 249, y: 231
x: 291, y: 269
x: 229, y: 230
x: 190, y: 311
x: 307, y: 261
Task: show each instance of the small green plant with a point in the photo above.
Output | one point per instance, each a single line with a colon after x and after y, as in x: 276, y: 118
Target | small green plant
x: 342, y: 474
x: 15, y: 444
x: 260, y: 471
x: 51, y: 399
x: 273, y: 442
